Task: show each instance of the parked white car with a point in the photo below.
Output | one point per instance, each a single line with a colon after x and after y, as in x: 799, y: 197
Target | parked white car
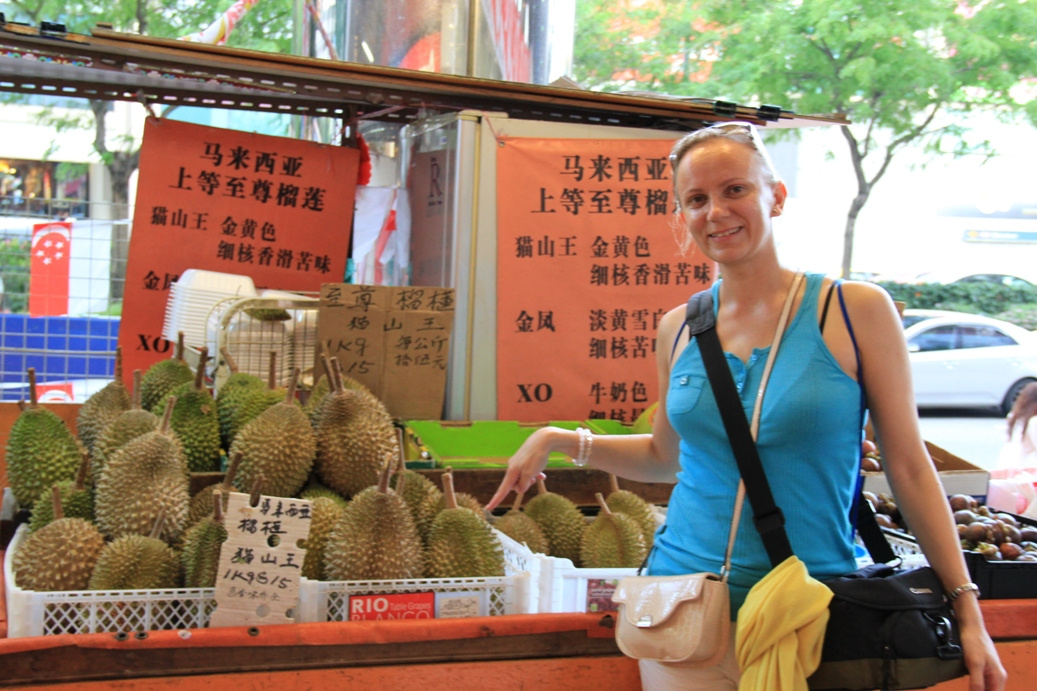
x: 961, y: 360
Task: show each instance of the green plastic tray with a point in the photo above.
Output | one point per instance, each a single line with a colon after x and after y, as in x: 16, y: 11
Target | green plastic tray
x: 481, y: 443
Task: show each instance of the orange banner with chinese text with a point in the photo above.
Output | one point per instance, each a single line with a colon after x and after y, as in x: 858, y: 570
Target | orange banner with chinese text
x: 587, y: 264
x: 275, y: 209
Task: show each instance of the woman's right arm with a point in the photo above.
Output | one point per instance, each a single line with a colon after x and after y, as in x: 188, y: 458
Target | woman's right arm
x: 640, y: 457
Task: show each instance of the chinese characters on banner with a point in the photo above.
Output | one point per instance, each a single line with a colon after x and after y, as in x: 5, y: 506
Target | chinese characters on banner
x: 275, y: 209
x: 587, y: 266
x: 393, y: 340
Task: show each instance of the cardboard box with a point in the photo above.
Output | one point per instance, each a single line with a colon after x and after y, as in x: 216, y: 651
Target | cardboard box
x: 957, y: 475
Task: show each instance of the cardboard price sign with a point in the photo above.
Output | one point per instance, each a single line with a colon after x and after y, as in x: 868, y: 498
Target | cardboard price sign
x: 393, y: 340
x: 260, y: 563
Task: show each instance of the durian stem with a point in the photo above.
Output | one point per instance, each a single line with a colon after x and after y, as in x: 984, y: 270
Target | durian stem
x: 233, y: 366
x: 257, y: 490
x: 118, y: 363
x: 541, y: 486
x: 84, y: 468
x: 179, y: 353
x: 167, y: 415
x: 449, y: 498
x: 199, y: 374
x: 21, y: 405
x: 601, y: 502
x: 217, y: 506
x: 336, y: 381
x: 289, y: 397
x: 232, y: 470
x: 160, y: 524
x: 137, y: 375
x: 383, y: 478
x: 326, y: 363
x: 517, y: 505
x: 55, y: 497
x: 613, y: 483
x: 33, y: 400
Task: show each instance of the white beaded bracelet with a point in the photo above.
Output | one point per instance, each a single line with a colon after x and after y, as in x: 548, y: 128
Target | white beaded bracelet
x: 584, y: 454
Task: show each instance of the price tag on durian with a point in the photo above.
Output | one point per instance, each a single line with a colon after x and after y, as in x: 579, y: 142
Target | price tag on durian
x: 261, y: 561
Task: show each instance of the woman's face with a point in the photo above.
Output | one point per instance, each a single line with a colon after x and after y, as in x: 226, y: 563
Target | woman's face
x: 726, y: 201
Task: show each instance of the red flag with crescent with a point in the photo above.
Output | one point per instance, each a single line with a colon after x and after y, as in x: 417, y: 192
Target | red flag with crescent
x: 48, y: 269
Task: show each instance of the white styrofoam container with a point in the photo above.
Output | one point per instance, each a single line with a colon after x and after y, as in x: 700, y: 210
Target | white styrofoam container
x: 321, y: 601
x: 33, y: 613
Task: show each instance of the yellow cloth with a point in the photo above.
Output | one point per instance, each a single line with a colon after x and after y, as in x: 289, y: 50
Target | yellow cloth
x: 781, y: 629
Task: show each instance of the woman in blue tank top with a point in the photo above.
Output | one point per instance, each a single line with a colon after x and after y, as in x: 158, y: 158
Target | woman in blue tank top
x: 810, y: 430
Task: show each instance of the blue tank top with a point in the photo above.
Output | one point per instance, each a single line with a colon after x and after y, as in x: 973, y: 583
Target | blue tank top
x: 809, y: 443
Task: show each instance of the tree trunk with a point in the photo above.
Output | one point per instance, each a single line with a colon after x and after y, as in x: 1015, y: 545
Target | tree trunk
x: 851, y: 222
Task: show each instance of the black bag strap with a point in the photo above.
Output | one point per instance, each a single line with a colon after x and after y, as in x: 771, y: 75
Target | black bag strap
x: 767, y: 517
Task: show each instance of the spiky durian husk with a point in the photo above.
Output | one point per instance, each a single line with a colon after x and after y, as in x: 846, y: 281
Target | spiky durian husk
x: 128, y: 425
x: 144, y: 478
x: 229, y: 396
x: 523, y: 529
x: 136, y: 562
x: 354, y: 436
x: 76, y: 502
x: 202, y: 503
x: 41, y: 451
x: 200, y: 555
x: 58, y: 556
x: 99, y: 411
x: 462, y: 545
x: 251, y: 405
x: 374, y: 538
x: 612, y: 540
x: 315, y: 399
x: 562, y: 522
x: 161, y: 378
x: 324, y: 513
x: 625, y: 501
x: 279, y: 445
x: 314, y: 492
x: 196, y: 425
x: 423, y: 499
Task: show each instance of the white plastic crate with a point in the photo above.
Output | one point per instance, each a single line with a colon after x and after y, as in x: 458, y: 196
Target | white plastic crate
x: 321, y: 601
x: 33, y: 613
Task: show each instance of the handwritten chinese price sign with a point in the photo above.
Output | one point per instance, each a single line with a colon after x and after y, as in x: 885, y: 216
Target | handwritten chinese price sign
x: 260, y: 563
x: 587, y: 265
x: 278, y: 210
x: 393, y: 340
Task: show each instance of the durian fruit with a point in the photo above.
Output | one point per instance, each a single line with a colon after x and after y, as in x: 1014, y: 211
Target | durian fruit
x: 128, y: 425
x: 41, y: 450
x: 137, y: 562
x: 314, y: 490
x: 324, y: 514
x: 422, y: 495
x: 98, y: 411
x: 325, y: 386
x: 230, y: 394
x: 145, y: 477
x: 355, y: 433
x: 254, y: 401
x: 521, y: 528
x: 460, y: 543
x: 200, y: 555
x: 625, y: 501
x: 195, y: 421
x: 164, y: 376
x: 201, y: 502
x: 463, y: 499
x: 375, y: 537
x: 279, y: 444
x: 77, y: 500
x: 612, y: 540
x: 60, y: 555
x: 560, y: 519
x: 268, y: 314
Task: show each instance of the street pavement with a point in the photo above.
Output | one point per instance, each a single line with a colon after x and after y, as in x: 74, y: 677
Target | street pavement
x: 976, y: 436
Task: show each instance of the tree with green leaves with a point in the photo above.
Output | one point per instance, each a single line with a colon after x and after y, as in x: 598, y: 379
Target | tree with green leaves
x: 901, y: 71
x: 267, y: 26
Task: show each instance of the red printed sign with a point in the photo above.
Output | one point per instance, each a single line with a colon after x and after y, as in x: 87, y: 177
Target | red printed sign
x: 394, y: 606
x: 587, y: 266
x: 278, y: 210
